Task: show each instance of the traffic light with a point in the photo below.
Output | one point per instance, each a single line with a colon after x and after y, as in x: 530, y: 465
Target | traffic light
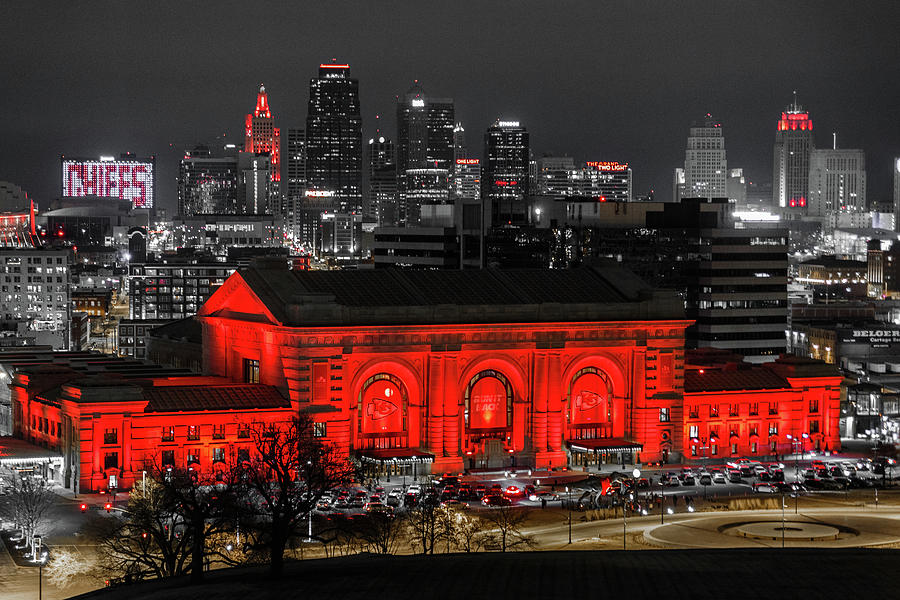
x: 108, y: 507
x: 84, y: 508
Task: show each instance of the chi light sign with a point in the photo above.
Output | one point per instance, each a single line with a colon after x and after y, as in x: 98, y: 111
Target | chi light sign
x: 126, y: 179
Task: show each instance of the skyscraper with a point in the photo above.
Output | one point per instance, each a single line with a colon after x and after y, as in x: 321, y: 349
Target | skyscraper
x: 425, y: 140
x: 504, y: 181
x: 705, y: 166
x: 381, y: 180
x: 261, y: 136
x: 897, y: 194
x: 207, y: 184
x: 334, y: 138
x: 837, y: 182
x: 794, y: 144
x: 459, y: 142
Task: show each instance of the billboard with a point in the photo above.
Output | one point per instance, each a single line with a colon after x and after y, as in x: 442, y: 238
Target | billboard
x: 382, y: 408
x: 488, y: 404
x: 130, y: 180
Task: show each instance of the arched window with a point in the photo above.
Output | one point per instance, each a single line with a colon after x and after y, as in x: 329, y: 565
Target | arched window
x: 590, y: 398
x: 382, y: 407
x: 489, y: 401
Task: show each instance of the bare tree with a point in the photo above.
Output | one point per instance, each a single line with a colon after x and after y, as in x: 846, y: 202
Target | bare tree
x: 66, y: 566
x: 289, y: 473
x: 381, y: 533
x: 505, y: 523
x: 149, y: 541
x: 204, y: 500
x: 466, y: 532
x: 424, y: 528
x: 28, y: 500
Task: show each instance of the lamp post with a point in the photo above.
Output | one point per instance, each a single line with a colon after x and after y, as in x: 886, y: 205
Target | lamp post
x: 635, y: 474
x: 569, y: 505
x: 309, y: 501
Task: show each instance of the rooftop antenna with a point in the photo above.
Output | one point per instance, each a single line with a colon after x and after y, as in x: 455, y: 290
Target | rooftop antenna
x: 796, y: 108
x: 834, y: 140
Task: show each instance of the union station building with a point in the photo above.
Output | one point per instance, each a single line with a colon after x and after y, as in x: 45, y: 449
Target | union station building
x: 434, y: 371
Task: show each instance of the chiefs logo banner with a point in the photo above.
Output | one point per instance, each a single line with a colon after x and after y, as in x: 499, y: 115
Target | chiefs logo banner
x: 590, y: 400
x: 382, y: 408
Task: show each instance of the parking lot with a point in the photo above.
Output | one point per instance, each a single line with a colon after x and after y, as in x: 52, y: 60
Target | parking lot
x: 683, y: 484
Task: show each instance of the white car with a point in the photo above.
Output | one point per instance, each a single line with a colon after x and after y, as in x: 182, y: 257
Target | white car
x: 414, y: 489
x: 719, y: 478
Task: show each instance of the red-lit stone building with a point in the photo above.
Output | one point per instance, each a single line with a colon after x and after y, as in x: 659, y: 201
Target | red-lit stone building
x: 416, y: 371
x: 466, y: 369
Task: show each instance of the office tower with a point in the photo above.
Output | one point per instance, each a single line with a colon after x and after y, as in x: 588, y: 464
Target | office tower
x: 35, y: 302
x: 207, y: 184
x: 459, y: 142
x: 555, y: 176
x: 736, y: 187
x: 794, y: 144
x: 678, y: 184
x: 897, y: 194
x: 505, y: 167
x: 261, y: 135
x: 705, y: 166
x: 428, y: 196
x: 425, y: 140
x: 466, y: 184
x: 256, y: 190
x: 293, y: 179
x: 604, y: 181
x: 381, y: 181
x: 334, y: 139
x: 837, y: 182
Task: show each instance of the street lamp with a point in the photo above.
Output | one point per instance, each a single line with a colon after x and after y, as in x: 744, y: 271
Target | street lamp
x: 569, y: 505
x: 635, y: 474
x: 309, y: 501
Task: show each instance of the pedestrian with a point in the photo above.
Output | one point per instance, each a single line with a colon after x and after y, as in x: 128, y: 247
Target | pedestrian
x: 543, y: 502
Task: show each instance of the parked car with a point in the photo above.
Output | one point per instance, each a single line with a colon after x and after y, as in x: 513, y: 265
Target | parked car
x: 496, y: 500
x: 734, y: 475
x: 719, y: 478
x: 547, y: 495
x: 765, y: 488
x: 687, y: 479
x: 706, y: 479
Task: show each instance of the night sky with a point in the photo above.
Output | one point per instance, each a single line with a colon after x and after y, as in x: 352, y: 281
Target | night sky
x: 598, y: 81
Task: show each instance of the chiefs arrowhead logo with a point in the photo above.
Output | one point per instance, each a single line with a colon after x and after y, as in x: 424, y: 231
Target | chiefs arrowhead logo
x: 587, y: 400
x: 379, y: 408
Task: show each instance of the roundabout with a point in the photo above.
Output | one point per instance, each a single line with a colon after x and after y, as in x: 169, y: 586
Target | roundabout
x: 747, y: 529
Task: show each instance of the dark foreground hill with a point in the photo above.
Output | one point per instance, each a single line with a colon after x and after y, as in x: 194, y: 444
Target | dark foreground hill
x: 651, y: 574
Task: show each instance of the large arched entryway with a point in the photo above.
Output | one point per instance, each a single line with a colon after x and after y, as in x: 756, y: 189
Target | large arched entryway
x: 488, y: 420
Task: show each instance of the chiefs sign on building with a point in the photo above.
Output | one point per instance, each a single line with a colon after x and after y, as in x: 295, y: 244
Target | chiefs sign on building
x: 460, y: 369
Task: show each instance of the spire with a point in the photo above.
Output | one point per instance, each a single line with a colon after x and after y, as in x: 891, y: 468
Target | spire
x: 262, y: 103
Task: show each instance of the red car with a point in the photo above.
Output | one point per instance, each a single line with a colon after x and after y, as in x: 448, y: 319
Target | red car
x: 496, y: 500
x: 513, y: 491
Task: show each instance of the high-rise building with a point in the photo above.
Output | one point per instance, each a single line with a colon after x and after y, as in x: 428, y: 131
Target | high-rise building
x: 207, y: 184
x: 554, y: 176
x: 334, y: 139
x: 35, y: 302
x: 678, y: 184
x: 705, y: 165
x: 466, y: 183
x: 426, y: 139
x: 17, y: 217
x: 459, y: 142
x: 261, y: 135
x: 505, y: 167
x: 794, y: 144
x: 381, y: 181
x: 604, y: 181
x: 837, y: 182
x: 897, y: 194
x: 293, y: 178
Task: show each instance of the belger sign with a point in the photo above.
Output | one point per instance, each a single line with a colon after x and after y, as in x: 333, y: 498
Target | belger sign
x: 884, y: 336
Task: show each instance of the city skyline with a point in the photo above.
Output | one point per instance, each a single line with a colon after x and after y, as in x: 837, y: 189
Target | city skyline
x: 162, y: 94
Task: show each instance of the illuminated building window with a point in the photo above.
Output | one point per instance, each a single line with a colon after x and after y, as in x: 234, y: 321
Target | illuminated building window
x: 714, y: 449
x: 251, y: 370
x: 733, y: 410
x: 193, y: 458
x: 663, y: 415
x: 243, y: 431
x: 168, y: 458
x: 754, y: 430
x: 193, y: 433
x: 694, y: 431
x: 218, y: 455
x: 814, y: 426
x: 734, y: 448
x: 713, y: 410
x: 753, y: 447
x: 813, y: 406
x: 773, y: 409
x: 773, y: 429
x: 111, y: 460
x: 168, y: 434
x: 218, y: 432
x: 111, y: 436
x: 320, y: 430
x: 694, y: 412
x: 693, y: 450
x: 754, y: 408
x: 774, y: 447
